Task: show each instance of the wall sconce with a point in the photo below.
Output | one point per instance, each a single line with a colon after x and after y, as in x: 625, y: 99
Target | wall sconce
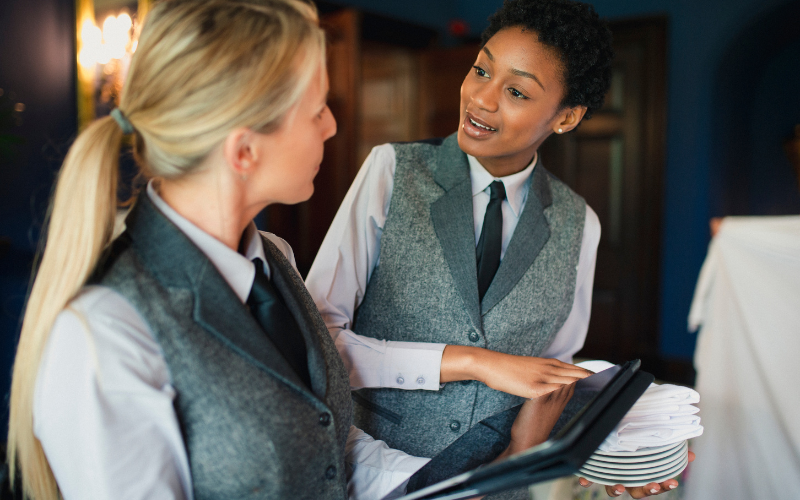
x: 103, y: 57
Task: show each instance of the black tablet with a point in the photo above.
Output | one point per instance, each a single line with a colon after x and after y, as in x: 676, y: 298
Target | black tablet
x: 596, y: 407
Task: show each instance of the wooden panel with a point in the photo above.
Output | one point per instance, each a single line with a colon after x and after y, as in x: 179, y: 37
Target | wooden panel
x: 304, y: 226
x: 441, y: 74
x: 389, y: 100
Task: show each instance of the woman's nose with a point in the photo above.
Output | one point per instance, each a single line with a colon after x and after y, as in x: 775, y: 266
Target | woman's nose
x: 485, y: 97
x: 329, y: 125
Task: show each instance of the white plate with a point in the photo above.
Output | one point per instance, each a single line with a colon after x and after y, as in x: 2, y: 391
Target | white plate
x: 643, y: 476
x: 633, y: 481
x: 652, y: 469
x: 640, y: 462
x: 637, y: 456
x: 640, y: 452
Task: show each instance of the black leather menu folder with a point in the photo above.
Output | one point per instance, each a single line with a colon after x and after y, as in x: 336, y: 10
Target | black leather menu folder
x: 596, y: 407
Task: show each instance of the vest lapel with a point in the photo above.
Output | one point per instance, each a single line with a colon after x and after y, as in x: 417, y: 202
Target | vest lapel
x: 290, y: 287
x: 529, y: 238
x: 177, y: 262
x: 452, y: 220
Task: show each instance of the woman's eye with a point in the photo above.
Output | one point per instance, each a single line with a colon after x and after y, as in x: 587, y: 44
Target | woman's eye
x: 479, y: 71
x: 516, y: 93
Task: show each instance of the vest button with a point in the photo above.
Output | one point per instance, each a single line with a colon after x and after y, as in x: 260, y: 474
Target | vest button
x: 325, y: 419
x: 473, y: 336
x: 466, y: 382
x: 330, y: 472
x: 455, y: 425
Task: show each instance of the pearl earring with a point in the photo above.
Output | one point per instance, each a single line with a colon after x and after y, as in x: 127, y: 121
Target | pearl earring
x: 561, y: 131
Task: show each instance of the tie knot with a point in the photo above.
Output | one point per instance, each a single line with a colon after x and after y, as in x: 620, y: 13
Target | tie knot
x: 259, y: 291
x: 259, y: 265
x: 497, y: 191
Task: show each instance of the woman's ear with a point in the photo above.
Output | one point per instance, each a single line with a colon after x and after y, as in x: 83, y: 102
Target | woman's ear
x: 568, y: 119
x: 240, y: 152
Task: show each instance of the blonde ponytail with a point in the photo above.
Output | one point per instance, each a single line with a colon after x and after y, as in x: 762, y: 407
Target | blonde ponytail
x: 201, y: 69
x: 80, y: 225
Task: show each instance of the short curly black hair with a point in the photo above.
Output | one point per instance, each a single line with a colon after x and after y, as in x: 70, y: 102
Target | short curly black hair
x: 576, y: 32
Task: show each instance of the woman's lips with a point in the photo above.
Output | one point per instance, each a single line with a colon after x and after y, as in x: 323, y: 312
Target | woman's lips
x: 476, y: 128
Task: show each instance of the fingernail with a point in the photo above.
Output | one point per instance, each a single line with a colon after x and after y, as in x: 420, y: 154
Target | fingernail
x: 654, y: 490
x: 671, y: 486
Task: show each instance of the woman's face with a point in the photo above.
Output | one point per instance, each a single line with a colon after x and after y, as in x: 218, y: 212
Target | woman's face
x: 510, y: 101
x: 294, y: 151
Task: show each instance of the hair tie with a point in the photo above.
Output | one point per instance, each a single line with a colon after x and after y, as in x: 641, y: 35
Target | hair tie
x: 123, y: 122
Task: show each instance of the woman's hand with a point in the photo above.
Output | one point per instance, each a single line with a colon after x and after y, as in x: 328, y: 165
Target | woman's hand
x: 641, y: 491
x: 523, y: 376
x: 536, y: 419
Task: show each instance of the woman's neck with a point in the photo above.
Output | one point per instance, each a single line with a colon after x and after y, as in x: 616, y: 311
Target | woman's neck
x: 211, y: 202
x: 505, y: 166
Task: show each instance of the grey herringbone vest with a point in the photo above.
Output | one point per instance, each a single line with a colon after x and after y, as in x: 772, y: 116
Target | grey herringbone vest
x: 425, y: 290
x: 250, y: 426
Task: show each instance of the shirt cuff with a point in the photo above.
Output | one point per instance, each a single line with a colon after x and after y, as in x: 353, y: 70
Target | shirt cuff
x: 412, y: 365
x: 374, y: 470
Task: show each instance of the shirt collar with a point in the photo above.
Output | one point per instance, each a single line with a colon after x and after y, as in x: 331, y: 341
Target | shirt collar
x: 515, y: 184
x: 236, y: 269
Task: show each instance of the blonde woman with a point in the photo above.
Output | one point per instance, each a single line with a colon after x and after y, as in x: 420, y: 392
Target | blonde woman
x: 141, y: 371
x: 185, y: 358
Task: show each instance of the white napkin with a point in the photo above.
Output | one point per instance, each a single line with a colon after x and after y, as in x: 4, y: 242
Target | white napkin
x: 648, y: 410
x: 663, y: 415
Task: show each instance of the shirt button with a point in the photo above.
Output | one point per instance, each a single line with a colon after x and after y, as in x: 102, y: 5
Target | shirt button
x: 421, y: 380
x: 330, y: 472
x: 400, y: 380
x: 324, y: 419
x: 473, y: 336
x: 455, y: 425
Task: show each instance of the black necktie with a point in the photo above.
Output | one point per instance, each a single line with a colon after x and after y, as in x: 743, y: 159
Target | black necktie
x: 270, y: 311
x: 490, y: 242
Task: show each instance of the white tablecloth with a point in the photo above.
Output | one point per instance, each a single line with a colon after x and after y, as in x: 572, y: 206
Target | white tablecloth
x: 747, y: 306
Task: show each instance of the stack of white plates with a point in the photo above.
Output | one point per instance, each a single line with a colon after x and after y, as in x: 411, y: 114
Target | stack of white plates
x: 636, y: 468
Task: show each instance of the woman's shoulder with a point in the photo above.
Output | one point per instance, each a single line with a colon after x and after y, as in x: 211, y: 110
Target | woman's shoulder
x: 101, y: 336
x: 282, y: 246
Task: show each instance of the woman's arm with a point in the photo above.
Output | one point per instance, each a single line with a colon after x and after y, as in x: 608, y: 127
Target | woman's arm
x: 103, y: 405
x: 524, y: 376
x: 338, y: 280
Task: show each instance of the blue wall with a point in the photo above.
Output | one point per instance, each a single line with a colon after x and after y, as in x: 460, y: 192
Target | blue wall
x: 776, y: 107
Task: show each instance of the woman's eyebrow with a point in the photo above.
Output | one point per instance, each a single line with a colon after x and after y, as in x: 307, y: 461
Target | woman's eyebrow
x: 517, y: 72
x: 525, y: 74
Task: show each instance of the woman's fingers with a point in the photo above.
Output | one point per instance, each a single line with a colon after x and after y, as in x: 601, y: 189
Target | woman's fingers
x: 638, y: 492
x: 669, y: 485
x: 559, y: 368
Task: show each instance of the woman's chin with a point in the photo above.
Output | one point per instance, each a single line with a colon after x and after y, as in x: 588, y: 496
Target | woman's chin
x: 471, y: 146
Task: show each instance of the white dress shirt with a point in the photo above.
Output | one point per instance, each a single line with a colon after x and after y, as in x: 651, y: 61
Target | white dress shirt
x: 351, y: 251
x: 104, y: 405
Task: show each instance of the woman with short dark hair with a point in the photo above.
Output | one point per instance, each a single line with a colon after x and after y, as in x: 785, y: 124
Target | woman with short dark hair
x: 462, y: 260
